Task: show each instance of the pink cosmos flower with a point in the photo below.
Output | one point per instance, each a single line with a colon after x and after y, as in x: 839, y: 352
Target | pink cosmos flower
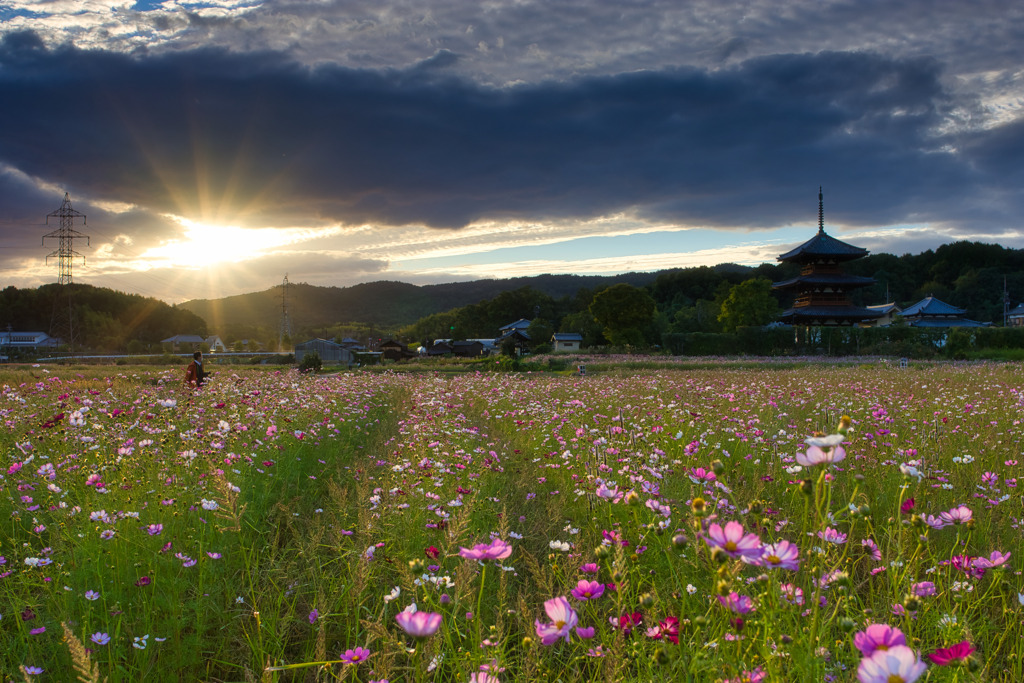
x: 100, y: 638
x: 781, y: 555
x: 699, y: 475
x: 495, y: 550
x: 792, y: 594
x: 563, y: 617
x: 832, y: 536
x: 871, y: 548
x: 732, y: 540
x: 755, y: 676
x: 953, y: 653
x: 588, y: 590
x: 898, y: 663
x: 626, y: 622
x: 740, y: 604
x: 816, y: 455
x: 419, y: 624
x: 878, y: 637
x: 355, y: 655
x: 483, y: 677
x: 958, y: 515
x: 590, y: 568
x: 924, y: 589
x: 933, y: 521
x: 585, y: 632
x: 994, y: 560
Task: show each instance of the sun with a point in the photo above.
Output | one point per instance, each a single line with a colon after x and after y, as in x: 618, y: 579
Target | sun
x: 203, y: 245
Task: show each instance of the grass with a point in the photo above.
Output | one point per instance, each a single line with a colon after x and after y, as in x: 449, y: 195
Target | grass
x: 262, y: 528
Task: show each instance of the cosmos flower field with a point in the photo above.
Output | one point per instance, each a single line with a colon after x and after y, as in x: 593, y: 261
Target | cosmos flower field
x: 825, y: 523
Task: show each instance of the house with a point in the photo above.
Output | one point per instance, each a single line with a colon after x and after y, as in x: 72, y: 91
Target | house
x: 566, y: 342
x: 888, y: 311
x: 352, y: 344
x: 520, y: 324
x: 1015, y: 318
x: 440, y: 347
x: 184, y: 342
x: 518, y: 336
x: 931, y: 312
x: 10, y: 339
x: 468, y: 348
x: 328, y: 351
x: 394, y: 350
x: 215, y: 344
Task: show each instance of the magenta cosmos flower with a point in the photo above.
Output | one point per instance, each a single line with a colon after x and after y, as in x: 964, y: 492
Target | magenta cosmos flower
x: 755, y: 676
x: 733, y: 541
x: 495, y: 550
x: 953, y: 653
x: 878, y: 637
x: 994, y: 560
x: 898, y: 664
x: 563, y: 617
x: 740, y: 604
x: 419, y: 624
x: 588, y: 590
x: 355, y: 655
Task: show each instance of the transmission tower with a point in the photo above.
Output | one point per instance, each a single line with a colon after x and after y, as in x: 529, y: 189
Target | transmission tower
x: 286, y: 323
x: 62, y: 321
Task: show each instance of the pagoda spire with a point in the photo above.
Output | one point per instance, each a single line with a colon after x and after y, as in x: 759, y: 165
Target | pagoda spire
x: 821, y: 211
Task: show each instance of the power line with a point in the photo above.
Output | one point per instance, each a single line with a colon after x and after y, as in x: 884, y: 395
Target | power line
x: 62, y: 321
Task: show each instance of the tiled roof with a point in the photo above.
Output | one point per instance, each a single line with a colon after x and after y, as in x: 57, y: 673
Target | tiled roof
x: 850, y: 281
x: 931, y: 306
x: 824, y: 245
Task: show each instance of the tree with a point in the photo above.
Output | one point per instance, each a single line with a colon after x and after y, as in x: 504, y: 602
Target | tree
x: 625, y: 312
x: 586, y: 324
x: 748, y: 303
x: 540, y: 331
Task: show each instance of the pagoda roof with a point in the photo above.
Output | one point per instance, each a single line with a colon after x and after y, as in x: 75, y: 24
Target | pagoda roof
x: 945, y: 322
x: 810, y: 314
x: 823, y: 245
x: 930, y: 306
x: 825, y: 279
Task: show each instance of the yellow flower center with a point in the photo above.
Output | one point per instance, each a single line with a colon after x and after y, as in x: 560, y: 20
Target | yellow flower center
x: 895, y: 678
x: 773, y: 559
x: 730, y: 546
x: 559, y: 625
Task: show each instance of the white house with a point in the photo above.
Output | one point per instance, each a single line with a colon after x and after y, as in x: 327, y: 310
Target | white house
x: 566, y: 342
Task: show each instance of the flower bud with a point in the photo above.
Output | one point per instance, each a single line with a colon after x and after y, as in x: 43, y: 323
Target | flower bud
x: 416, y: 566
x: 911, y: 603
x: 602, y: 552
x: 661, y: 657
x: 722, y: 588
x: 847, y: 624
x: 698, y: 506
x: 717, y: 467
x: 647, y: 600
x: 807, y: 486
x: 680, y: 541
x: 632, y: 498
x: 756, y: 507
x: 699, y: 622
x: 864, y: 510
x: 718, y: 555
x: 527, y: 641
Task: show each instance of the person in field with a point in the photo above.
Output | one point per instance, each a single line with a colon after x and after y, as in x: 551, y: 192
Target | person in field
x: 194, y: 373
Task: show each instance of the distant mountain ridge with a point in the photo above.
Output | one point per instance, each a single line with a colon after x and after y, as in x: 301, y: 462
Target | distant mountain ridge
x: 384, y: 304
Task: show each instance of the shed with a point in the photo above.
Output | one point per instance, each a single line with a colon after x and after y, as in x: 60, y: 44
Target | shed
x: 328, y: 351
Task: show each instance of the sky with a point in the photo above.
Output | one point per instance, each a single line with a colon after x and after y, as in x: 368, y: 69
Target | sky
x: 215, y: 147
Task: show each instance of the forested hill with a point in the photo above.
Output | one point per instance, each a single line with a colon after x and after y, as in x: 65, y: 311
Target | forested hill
x: 385, y: 304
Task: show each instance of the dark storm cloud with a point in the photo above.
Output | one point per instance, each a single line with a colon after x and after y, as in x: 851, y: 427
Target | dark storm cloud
x: 196, y: 132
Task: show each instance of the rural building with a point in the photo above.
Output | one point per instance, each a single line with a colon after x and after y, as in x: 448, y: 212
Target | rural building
x: 393, y: 349
x: 1015, y: 318
x: 184, y: 342
x: 468, y: 348
x: 566, y: 342
x: 10, y: 339
x: 822, y: 288
x: 930, y: 312
x: 215, y: 343
x: 888, y: 311
x: 520, y: 324
x: 440, y: 347
x: 328, y: 351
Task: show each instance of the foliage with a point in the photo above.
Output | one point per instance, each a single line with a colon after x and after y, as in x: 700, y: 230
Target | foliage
x: 106, y: 320
x: 625, y: 312
x: 748, y: 303
x: 311, y: 362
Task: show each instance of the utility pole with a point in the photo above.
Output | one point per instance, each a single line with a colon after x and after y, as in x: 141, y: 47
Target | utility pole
x: 62, y: 321
x: 286, y: 323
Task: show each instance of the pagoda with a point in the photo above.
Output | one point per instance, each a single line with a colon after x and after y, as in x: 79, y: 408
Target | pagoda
x: 821, y: 288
